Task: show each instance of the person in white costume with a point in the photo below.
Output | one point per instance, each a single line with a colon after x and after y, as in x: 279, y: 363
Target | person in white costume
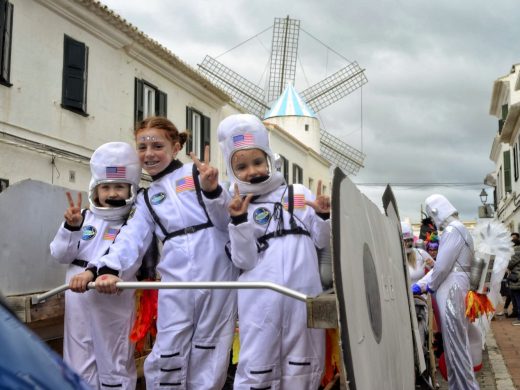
x: 194, y: 327
x: 449, y: 282
x: 419, y: 261
x: 272, y: 244
x: 95, y: 342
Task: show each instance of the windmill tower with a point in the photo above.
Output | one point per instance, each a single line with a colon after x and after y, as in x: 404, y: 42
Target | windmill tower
x: 282, y: 73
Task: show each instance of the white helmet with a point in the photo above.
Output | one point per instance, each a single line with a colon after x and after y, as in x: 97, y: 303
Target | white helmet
x: 114, y: 162
x: 245, y: 131
x: 406, y: 230
x: 439, y: 209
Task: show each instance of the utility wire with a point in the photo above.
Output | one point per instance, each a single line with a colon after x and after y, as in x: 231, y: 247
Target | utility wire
x: 327, y: 46
x: 247, y: 40
x: 431, y: 184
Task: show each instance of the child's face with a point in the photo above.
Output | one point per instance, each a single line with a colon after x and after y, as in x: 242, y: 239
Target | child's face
x: 248, y: 164
x: 112, y: 191
x: 155, y: 150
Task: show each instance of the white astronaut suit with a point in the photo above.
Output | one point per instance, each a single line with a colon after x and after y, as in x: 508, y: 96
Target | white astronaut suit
x: 449, y: 279
x: 194, y: 327
x: 96, y: 343
x: 277, y: 350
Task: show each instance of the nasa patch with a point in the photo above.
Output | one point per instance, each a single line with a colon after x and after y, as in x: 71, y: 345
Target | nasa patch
x: 88, y: 232
x: 261, y: 215
x: 158, y: 198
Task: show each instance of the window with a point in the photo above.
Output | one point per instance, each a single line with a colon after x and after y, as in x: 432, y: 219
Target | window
x: 4, y: 183
x: 6, y: 30
x: 311, y: 183
x: 75, y: 66
x: 148, y: 101
x: 297, y: 174
x: 284, y: 168
x: 200, y: 132
x: 507, y: 171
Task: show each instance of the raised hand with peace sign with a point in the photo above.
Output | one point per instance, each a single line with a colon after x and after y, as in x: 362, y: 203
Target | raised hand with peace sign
x: 208, y: 174
x: 238, y: 205
x: 322, y: 203
x: 73, y: 215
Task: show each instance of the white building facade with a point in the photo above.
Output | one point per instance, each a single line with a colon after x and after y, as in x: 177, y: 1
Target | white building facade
x: 81, y: 76
x: 505, y: 151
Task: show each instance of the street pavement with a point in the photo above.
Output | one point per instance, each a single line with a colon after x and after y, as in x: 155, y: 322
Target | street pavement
x: 500, y: 359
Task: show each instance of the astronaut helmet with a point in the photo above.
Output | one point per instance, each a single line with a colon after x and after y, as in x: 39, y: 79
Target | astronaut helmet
x: 243, y: 132
x: 114, y: 162
x: 440, y: 210
x: 407, y: 235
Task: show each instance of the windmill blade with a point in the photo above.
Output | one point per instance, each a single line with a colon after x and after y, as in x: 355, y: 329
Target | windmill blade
x: 335, y: 87
x: 243, y: 92
x: 284, y: 52
x: 341, y: 154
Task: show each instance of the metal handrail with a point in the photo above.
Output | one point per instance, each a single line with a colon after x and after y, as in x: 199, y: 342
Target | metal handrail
x: 184, y: 285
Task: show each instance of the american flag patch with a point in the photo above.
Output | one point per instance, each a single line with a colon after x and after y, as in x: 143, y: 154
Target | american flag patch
x: 298, y: 199
x: 184, y: 184
x: 240, y: 140
x: 116, y: 172
x: 110, y: 234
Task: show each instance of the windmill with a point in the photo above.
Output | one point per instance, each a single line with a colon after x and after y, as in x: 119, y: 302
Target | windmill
x: 284, y: 53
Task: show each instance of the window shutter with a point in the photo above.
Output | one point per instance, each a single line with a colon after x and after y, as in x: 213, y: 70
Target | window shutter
x: 6, y: 28
x: 138, y: 101
x: 74, y: 74
x: 507, y: 171
x: 515, y: 161
x: 160, y: 103
x: 206, y: 134
x: 189, y: 141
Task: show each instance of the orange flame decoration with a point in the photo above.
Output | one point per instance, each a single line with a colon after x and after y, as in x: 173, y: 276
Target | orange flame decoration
x: 332, y: 361
x: 145, y: 318
x: 477, y: 305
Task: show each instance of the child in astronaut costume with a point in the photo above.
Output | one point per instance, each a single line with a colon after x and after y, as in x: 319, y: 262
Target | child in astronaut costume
x: 194, y: 327
x: 449, y: 281
x: 96, y: 343
x: 277, y: 350
x: 418, y: 260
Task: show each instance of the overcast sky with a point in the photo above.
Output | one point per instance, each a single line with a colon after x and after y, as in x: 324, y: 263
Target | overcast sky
x: 423, y: 117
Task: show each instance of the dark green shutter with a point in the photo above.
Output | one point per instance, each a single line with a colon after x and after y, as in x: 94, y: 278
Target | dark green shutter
x: 6, y: 29
x: 515, y: 161
x: 206, y: 134
x: 507, y: 171
x: 189, y: 124
x: 505, y: 110
x: 74, y: 75
x: 138, y: 101
x: 160, y: 103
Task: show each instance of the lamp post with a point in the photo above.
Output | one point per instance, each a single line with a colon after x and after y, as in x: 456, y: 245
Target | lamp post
x: 484, y: 211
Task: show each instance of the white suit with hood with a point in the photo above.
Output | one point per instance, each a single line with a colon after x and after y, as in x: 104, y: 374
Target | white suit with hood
x: 96, y: 334
x: 449, y: 279
x: 195, y: 327
x: 277, y: 350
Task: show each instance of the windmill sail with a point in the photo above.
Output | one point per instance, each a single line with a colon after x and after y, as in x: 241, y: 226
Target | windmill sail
x: 341, y: 154
x: 241, y: 90
x: 284, y: 52
x: 335, y: 87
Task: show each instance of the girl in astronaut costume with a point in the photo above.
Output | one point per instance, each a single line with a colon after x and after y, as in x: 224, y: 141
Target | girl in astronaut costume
x: 194, y: 327
x: 95, y: 342
x: 449, y: 280
x: 277, y: 350
x: 419, y: 261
